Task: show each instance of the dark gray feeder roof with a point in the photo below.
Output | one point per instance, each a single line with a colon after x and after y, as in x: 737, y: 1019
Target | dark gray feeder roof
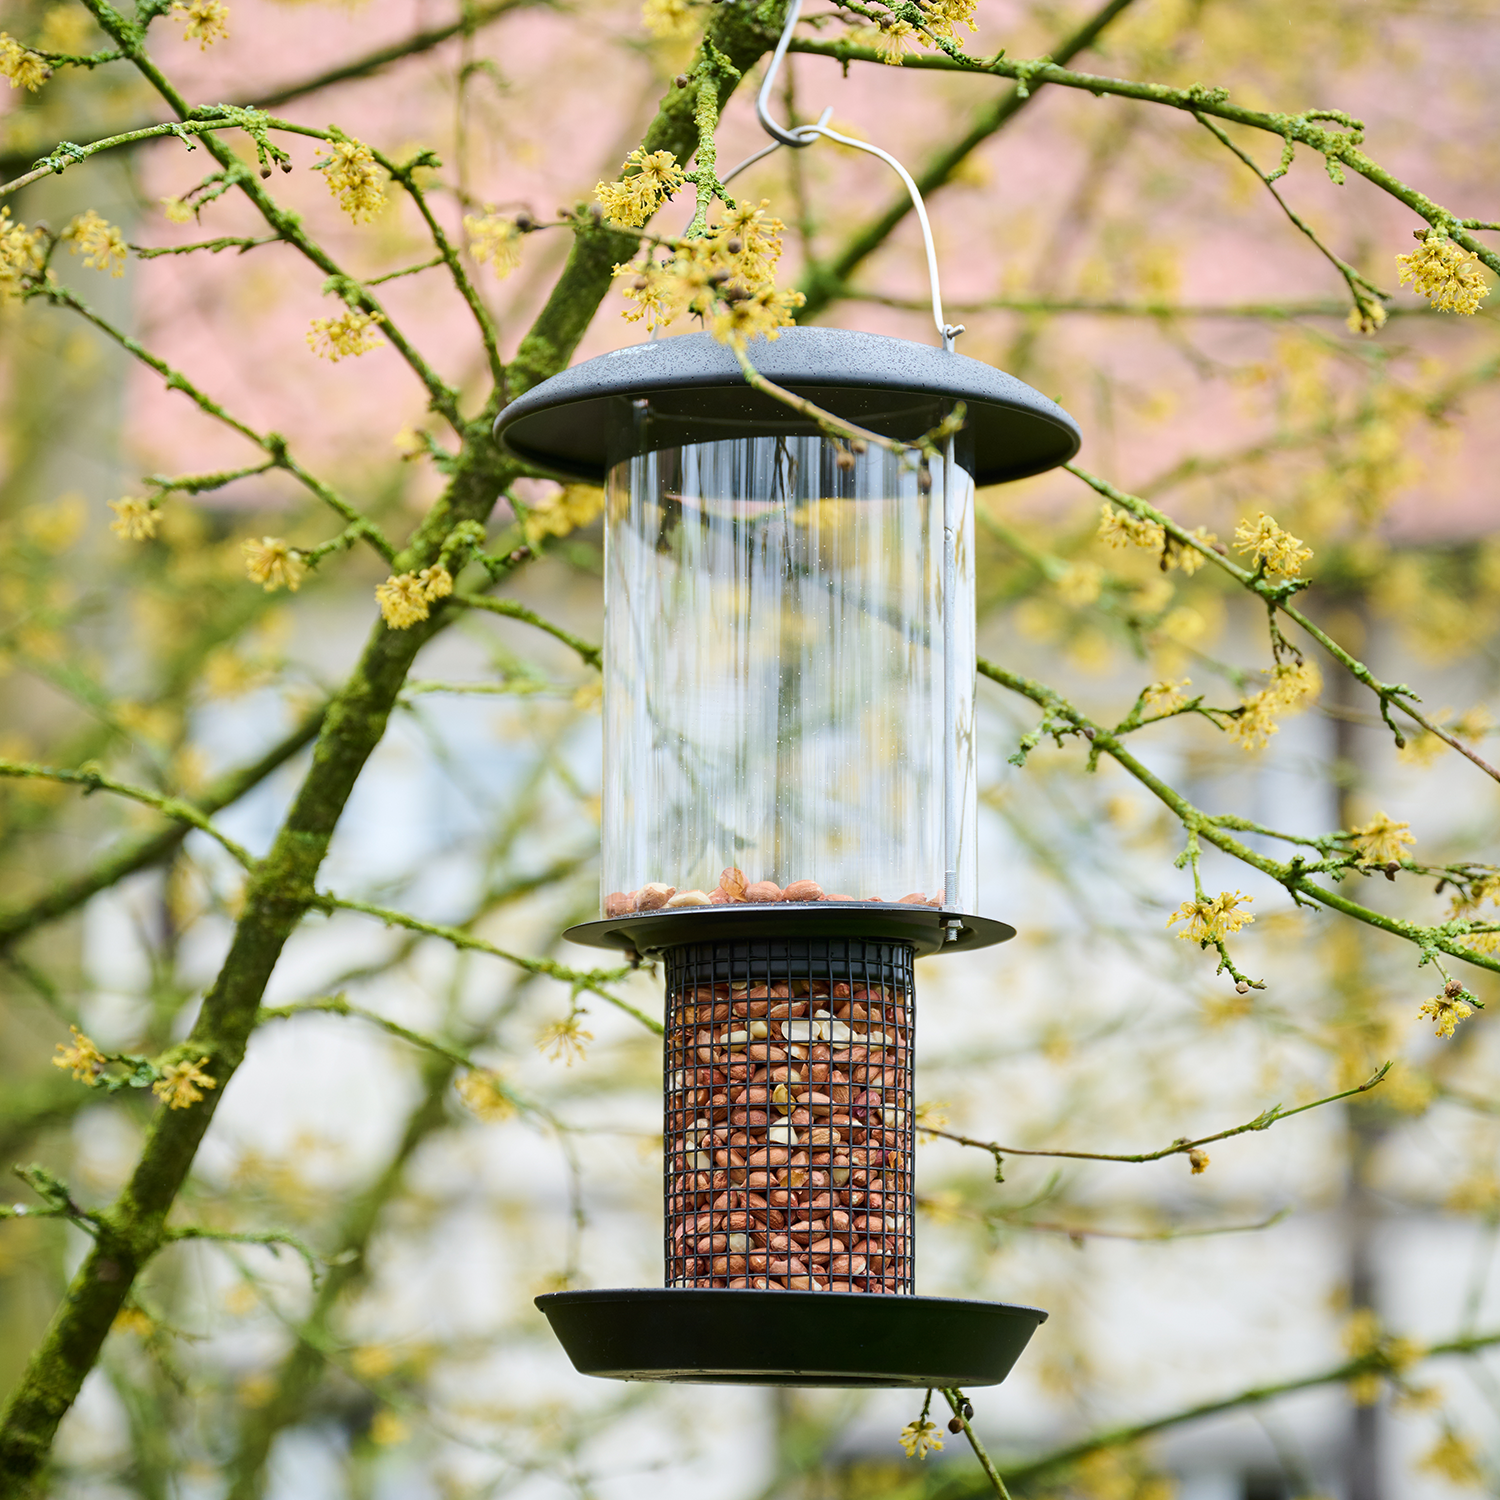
x: 563, y: 424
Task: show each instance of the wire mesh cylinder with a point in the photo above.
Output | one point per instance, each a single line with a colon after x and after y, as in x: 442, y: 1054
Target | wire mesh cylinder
x: 788, y: 1121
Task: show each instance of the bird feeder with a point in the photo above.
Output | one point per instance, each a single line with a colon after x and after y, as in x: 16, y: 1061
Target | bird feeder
x: 789, y: 820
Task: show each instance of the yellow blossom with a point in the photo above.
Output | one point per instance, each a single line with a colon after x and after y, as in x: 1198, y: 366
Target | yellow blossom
x: 387, y: 1429
x: 226, y: 674
x: 557, y: 514
x: 669, y: 20
x: 564, y: 1041
x: 634, y: 198
x: 24, y: 68
x: 1212, y: 921
x: 1365, y: 316
x: 65, y: 28
x: 495, y: 239
x: 762, y: 316
x: 404, y: 597
x: 1455, y: 1459
x: 345, y: 337
x: 1421, y: 748
x: 54, y: 528
x: 132, y: 1320
x: 205, y: 21
x: 1165, y: 697
x: 181, y: 1085
x: 1190, y: 559
x: 1381, y: 840
x: 1282, y: 553
x: 372, y: 1362
x: 98, y: 241
x: 135, y: 519
x: 483, y: 1092
x: 1292, y: 687
x: 1080, y: 583
x: 19, y: 255
x: 943, y: 17
x: 891, y: 42
x: 1445, y: 274
x: 1446, y: 1011
x: 737, y: 259
x: 1199, y: 1160
x: 919, y: 1437
x: 177, y: 210
x: 1119, y: 528
x: 274, y: 563
x: 1478, y: 1193
x: 83, y: 1059
x: 354, y: 179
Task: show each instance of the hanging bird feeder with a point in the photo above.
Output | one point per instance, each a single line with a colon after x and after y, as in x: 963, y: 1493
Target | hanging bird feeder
x: 788, y: 822
x: 789, y: 813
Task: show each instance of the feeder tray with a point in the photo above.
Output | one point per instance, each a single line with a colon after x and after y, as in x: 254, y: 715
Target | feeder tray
x: 789, y: 1338
x: 923, y: 927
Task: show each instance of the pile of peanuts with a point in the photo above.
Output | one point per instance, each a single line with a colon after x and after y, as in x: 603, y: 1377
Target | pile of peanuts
x: 734, y: 890
x: 788, y: 1129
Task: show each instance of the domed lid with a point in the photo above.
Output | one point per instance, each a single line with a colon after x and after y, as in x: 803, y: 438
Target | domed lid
x: 564, y: 424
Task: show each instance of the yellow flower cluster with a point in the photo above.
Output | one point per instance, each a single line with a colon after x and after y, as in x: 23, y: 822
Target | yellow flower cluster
x: 1454, y: 1458
x: 181, y: 1085
x: 1212, y: 921
x: 19, y: 255
x: 1445, y: 1011
x: 496, y: 239
x: 98, y: 241
x: 353, y: 178
x: 944, y: 17
x: 564, y: 1041
x: 274, y: 563
x: 484, y: 1094
x: 1445, y: 274
x: 1282, y: 553
x: 573, y: 506
x: 24, y: 68
x: 891, y: 39
x: 1292, y: 687
x: 82, y: 1059
x: 728, y: 276
x: 1165, y: 697
x: 1118, y: 528
x: 1198, y: 1161
x: 1367, y: 317
x: 404, y: 597
x: 634, y: 198
x: 1080, y: 583
x: 762, y: 315
x: 1382, y: 840
x: 919, y: 1438
x: 669, y: 20
x: 135, y: 519
x: 177, y: 210
x: 204, y: 21
x: 346, y: 337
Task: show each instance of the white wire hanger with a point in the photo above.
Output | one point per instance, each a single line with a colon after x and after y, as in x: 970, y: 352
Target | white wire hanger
x: 799, y: 136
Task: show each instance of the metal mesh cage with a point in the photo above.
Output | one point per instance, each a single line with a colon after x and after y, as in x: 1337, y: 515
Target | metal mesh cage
x: 788, y: 1119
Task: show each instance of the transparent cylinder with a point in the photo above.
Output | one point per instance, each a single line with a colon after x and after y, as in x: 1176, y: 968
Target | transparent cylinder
x: 775, y: 701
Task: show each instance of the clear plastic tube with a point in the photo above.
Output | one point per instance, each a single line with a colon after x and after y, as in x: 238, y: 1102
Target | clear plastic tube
x: 774, y: 679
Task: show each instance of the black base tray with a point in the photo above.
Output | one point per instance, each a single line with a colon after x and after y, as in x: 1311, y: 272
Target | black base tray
x: 789, y: 1338
x: 924, y: 927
